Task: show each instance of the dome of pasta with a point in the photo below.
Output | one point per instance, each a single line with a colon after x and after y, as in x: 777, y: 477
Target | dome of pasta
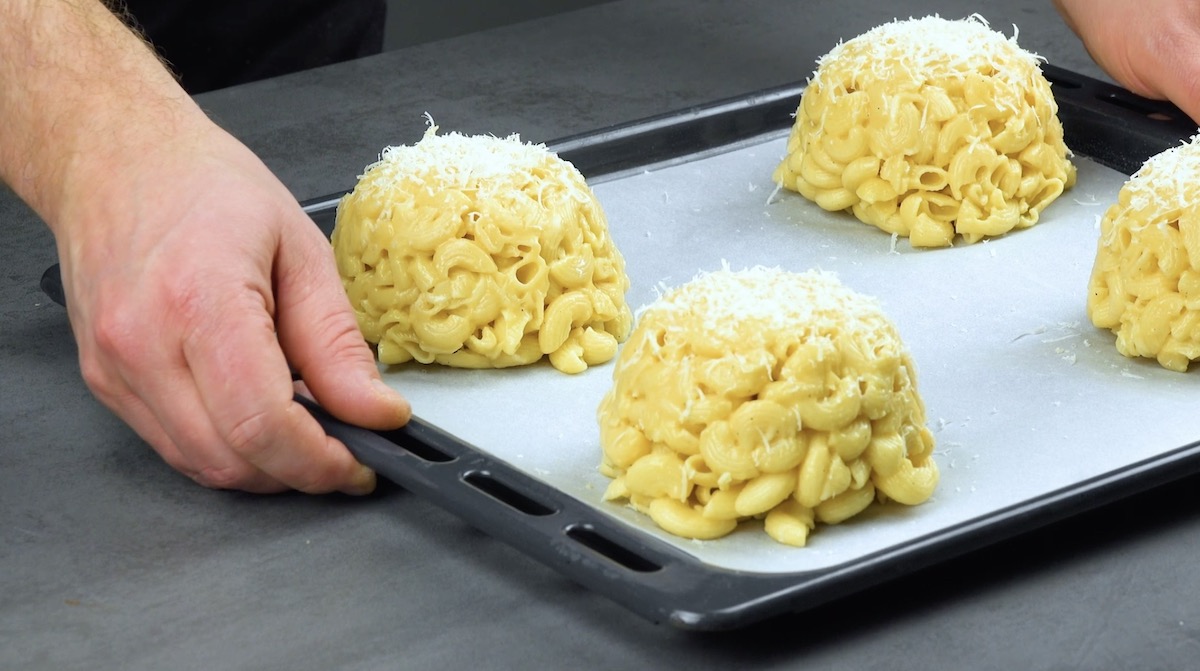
x: 929, y: 128
x: 764, y: 393
x: 1145, y: 282
x: 481, y: 252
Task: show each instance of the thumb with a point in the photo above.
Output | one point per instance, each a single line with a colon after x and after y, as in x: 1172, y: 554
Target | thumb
x: 1178, y: 78
x: 319, y: 335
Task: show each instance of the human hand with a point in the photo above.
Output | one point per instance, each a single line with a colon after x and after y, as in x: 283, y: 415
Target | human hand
x: 193, y: 280
x: 1152, y: 47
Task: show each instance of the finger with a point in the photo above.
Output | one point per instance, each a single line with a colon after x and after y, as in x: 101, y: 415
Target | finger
x: 110, y: 389
x: 320, y: 336
x: 1064, y: 9
x: 127, y: 405
x: 151, y: 389
x: 245, y: 387
x: 181, y: 426
x: 1177, y: 77
x: 1153, y: 54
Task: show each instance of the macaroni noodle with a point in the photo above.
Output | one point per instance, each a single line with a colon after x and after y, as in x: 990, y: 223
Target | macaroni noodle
x: 1145, y: 282
x: 481, y: 252
x: 763, y: 394
x: 929, y: 129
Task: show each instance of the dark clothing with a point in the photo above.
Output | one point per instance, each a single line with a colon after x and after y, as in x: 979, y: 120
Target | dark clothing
x: 211, y: 44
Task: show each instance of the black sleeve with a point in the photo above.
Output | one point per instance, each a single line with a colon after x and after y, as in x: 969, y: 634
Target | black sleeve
x: 211, y: 44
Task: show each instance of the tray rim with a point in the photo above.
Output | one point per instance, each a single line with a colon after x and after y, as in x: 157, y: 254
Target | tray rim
x: 695, y: 595
x: 654, y: 579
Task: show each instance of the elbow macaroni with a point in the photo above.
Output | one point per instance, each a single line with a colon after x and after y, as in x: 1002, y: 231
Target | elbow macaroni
x: 764, y: 394
x: 929, y: 129
x: 1145, y: 282
x: 481, y: 252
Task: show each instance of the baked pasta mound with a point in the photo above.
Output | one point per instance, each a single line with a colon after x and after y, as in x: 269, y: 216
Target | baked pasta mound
x: 1145, y: 282
x: 764, y: 394
x: 929, y: 129
x: 481, y: 252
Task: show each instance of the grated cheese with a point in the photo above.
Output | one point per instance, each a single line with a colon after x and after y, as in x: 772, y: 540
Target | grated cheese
x: 773, y: 300
x: 930, y: 47
x: 486, y: 164
x: 1168, y: 180
x: 731, y: 381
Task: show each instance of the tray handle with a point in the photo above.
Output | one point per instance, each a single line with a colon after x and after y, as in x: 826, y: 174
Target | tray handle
x: 602, y: 554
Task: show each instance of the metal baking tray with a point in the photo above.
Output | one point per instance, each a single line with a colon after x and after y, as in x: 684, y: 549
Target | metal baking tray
x: 1036, y: 415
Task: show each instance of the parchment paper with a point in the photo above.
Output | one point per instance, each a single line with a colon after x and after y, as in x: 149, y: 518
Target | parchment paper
x: 1024, y: 395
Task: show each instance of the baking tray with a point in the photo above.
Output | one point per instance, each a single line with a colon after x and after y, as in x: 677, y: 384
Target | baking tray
x: 1037, y: 416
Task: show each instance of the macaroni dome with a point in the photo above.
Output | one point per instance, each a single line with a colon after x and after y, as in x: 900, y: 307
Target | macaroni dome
x: 1145, y: 282
x: 481, y: 252
x: 929, y: 128
x: 764, y: 393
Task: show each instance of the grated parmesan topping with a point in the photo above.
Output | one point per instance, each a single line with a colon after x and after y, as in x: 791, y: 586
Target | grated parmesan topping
x: 771, y: 299
x: 1167, y: 180
x: 932, y: 45
x: 485, y: 163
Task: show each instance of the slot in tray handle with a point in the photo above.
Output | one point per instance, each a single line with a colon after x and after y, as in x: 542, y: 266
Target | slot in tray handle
x: 561, y: 532
x: 642, y: 574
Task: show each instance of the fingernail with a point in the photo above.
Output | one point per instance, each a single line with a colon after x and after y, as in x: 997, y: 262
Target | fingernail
x: 405, y: 411
x: 363, y: 482
x: 383, y: 388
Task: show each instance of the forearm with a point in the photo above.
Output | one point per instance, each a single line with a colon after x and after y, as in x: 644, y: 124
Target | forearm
x: 77, y: 89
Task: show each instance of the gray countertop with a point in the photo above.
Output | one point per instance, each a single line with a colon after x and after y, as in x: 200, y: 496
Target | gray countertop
x: 111, y: 560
